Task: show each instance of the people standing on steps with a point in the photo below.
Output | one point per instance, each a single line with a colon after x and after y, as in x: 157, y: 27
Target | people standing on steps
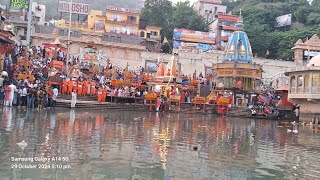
x: 55, y: 96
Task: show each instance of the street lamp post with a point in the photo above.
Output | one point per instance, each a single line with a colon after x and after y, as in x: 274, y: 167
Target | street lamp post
x: 29, y: 24
x: 68, y: 41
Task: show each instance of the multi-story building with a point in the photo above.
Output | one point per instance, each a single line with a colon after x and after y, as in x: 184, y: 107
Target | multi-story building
x: 209, y: 9
x: 18, y: 18
x: 39, y: 13
x: 224, y: 26
x: 119, y: 36
x: 118, y: 25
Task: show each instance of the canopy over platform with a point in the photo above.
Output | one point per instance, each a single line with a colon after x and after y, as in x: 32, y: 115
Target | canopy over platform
x: 285, y: 87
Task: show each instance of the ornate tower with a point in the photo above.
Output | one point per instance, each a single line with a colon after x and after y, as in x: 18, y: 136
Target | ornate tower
x: 239, y: 48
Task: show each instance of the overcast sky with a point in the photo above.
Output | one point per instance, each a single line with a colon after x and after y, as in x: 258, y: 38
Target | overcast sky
x: 192, y: 1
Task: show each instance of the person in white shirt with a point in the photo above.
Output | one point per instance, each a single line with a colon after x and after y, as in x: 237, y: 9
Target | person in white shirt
x: 73, y: 99
x: 1, y: 81
x: 102, y: 79
x: 13, y: 88
x: 24, y: 96
x: 55, y: 95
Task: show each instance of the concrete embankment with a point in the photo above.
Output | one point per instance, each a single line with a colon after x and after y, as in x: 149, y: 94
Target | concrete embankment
x: 90, y: 103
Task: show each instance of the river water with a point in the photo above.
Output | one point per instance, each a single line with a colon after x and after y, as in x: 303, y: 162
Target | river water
x: 74, y: 144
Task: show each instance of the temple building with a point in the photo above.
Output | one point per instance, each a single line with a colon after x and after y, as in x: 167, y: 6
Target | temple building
x: 237, y: 71
x: 305, y: 87
x: 305, y: 50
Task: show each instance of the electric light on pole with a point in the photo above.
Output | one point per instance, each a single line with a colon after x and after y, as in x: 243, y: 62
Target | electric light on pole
x: 29, y: 24
x: 68, y: 41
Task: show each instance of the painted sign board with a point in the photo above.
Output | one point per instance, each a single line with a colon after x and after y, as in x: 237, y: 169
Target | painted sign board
x: 76, y: 8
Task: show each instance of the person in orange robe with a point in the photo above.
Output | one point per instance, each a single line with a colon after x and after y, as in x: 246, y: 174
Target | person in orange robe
x: 104, y: 94
x: 80, y: 88
x: 100, y: 94
x: 85, y: 88
x: 64, y: 89
x: 75, y: 86
x: 93, y: 88
x: 70, y: 87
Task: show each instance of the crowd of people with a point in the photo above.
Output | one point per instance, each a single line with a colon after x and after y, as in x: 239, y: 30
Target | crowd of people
x: 28, y: 72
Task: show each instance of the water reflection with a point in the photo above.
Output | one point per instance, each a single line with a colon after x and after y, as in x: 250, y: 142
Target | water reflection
x: 126, y: 145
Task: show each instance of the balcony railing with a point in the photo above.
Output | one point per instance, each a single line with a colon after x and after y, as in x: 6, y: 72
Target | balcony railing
x: 315, y: 89
x: 127, y: 22
x: 307, y: 89
x: 300, y: 90
x: 293, y: 90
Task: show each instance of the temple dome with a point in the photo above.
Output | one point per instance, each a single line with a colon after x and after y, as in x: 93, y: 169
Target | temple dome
x: 315, y: 61
x: 239, y: 48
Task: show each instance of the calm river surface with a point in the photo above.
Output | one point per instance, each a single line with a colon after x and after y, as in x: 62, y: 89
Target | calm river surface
x: 74, y: 144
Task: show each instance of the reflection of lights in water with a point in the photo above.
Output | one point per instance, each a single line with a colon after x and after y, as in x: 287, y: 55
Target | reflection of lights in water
x: 163, y: 148
x: 8, y: 116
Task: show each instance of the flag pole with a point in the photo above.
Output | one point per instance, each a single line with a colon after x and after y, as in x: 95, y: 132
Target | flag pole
x: 68, y: 41
x: 29, y: 24
x: 308, y: 49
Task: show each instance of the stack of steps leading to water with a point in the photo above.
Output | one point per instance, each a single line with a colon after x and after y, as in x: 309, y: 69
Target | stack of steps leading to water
x: 90, y: 102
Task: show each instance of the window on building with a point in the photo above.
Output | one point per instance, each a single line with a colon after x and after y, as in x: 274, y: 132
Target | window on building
x: 38, y: 29
x: 118, y: 39
x: 132, y: 20
x: 75, y: 33
x: 148, y: 35
x: 104, y: 38
x: 215, y: 9
x: 115, y: 17
x: 111, y: 38
x: 61, y: 32
x: 124, y: 30
x: 142, y: 34
x: 154, y: 33
x: 316, y: 80
x: 300, y: 81
x: 293, y: 81
x: 115, y: 29
x: 132, y: 31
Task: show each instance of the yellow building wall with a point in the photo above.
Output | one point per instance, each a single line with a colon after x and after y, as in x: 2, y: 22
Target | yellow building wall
x: 120, y: 25
x: 148, y: 30
x: 123, y: 15
x: 97, y: 15
x: 92, y: 17
x: 62, y: 23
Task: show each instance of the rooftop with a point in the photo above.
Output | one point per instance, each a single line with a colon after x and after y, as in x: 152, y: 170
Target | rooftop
x: 123, y: 10
x: 228, y: 17
x: 211, y: 1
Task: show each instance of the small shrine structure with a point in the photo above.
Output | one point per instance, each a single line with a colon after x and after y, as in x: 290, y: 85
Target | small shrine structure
x: 238, y: 72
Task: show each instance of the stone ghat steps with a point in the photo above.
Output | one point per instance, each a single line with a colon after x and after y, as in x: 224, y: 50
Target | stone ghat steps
x: 96, y: 105
x: 80, y: 98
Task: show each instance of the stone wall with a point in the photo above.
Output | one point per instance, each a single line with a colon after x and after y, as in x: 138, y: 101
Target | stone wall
x: 191, y: 62
x: 136, y: 55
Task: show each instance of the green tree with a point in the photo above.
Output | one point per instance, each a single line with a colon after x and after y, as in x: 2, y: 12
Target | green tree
x: 313, y: 18
x: 185, y: 17
x: 162, y: 13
